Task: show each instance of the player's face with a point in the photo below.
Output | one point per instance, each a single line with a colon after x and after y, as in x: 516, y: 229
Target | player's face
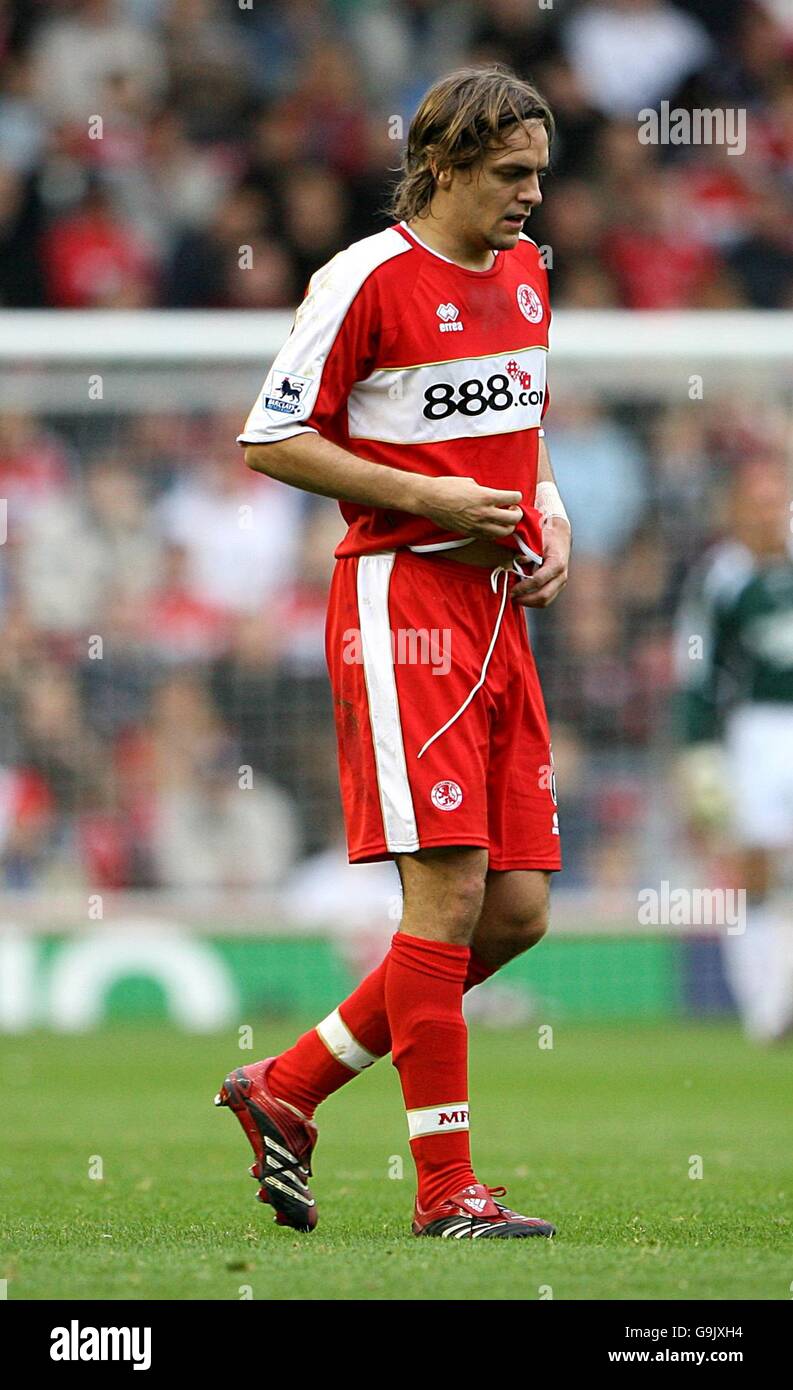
x: 500, y: 193
x: 761, y: 507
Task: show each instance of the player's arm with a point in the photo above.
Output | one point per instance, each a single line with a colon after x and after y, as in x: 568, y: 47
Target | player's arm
x: 315, y: 464
x: 334, y: 343
x: 550, y: 577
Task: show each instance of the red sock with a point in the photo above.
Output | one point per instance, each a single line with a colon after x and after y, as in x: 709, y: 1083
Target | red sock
x: 343, y: 1044
x: 346, y: 1042
x: 424, y: 998
x: 477, y: 972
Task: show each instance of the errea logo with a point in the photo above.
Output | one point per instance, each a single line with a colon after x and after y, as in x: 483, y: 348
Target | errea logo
x: 449, y: 316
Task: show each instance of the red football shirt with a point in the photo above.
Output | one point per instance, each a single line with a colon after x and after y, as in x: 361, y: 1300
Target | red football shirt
x: 403, y: 357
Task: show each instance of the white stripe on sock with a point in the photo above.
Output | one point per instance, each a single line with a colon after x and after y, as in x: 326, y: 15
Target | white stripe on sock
x: 438, y: 1119
x: 345, y: 1048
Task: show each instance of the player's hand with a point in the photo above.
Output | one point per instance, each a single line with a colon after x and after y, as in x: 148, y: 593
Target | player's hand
x: 548, y: 580
x: 461, y: 504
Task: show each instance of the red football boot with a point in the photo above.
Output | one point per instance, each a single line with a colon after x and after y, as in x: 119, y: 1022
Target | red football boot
x: 473, y: 1213
x: 282, y: 1140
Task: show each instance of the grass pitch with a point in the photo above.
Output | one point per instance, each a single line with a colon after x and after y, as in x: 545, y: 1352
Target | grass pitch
x: 599, y: 1134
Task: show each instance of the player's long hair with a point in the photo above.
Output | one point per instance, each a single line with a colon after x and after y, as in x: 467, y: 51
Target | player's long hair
x: 459, y: 119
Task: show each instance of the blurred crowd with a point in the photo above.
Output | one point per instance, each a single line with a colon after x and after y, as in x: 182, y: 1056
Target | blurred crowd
x: 143, y: 143
x: 165, y: 715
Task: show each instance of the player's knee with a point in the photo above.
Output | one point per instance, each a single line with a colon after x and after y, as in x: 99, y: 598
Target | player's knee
x: 451, y: 896
x: 461, y: 905
x: 525, y: 929
x: 535, y: 928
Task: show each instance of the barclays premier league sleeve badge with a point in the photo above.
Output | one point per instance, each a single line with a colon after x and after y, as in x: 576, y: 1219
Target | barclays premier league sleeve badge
x: 284, y: 393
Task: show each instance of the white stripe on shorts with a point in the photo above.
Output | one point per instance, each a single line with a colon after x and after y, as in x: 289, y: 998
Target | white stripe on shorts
x: 396, y: 800
x: 339, y: 1040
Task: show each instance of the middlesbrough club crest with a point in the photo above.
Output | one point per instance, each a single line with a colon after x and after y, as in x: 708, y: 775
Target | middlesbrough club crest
x: 529, y: 303
x: 446, y: 796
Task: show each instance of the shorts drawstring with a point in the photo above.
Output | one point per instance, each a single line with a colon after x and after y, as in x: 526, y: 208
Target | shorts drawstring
x: 506, y: 570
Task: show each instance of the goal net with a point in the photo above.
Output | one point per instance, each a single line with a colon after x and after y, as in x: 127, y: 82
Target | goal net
x: 168, y: 756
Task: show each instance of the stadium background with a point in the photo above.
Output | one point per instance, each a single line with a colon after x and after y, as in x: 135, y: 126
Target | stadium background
x: 139, y: 874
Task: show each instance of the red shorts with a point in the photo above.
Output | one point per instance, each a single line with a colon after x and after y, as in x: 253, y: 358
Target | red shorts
x: 442, y: 731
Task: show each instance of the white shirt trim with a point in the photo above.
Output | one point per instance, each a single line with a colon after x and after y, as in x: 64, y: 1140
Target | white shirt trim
x: 447, y: 259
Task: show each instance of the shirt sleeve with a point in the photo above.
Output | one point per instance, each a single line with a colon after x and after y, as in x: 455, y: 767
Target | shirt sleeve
x: 332, y: 345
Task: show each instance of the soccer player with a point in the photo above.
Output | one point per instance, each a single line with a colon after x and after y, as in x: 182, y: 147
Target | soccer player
x: 412, y: 388
x: 736, y: 718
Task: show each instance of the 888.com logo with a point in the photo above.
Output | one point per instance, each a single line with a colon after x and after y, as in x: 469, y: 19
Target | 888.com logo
x: 475, y: 396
